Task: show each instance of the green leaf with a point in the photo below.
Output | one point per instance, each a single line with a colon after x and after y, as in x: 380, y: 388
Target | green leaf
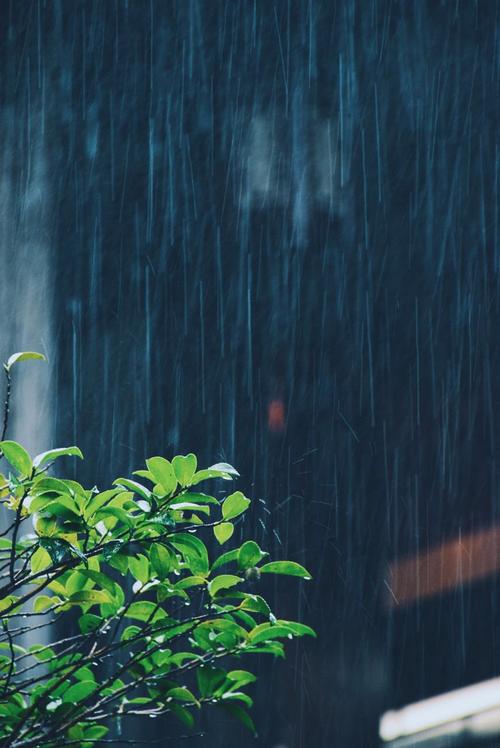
x: 100, y: 500
x: 42, y: 602
x: 225, y: 558
x: 139, y: 567
x: 193, y: 551
x: 189, y: 582
x: 213, y: 472
x: 24, y: 356
x: 163, y: 520
x: 43, y: 483
x: 238, y: 696
x: 111, y: 548
x: 239, y: 713
x: 101, y: 579
x: 145, y: 611
x: 226, y: 468
x: 130, y: 632
x: 241, y: 677
x: 59, y: 549
x: 250, y: 555
x: 92, y: 597
x: 209, y: 679
x: 135, y: 487
x: 40, y: 561
x: 119, y: 562
x: 79, y: 691
x: 41, y: 653
x: 89, y: 622
x: 187, y: 506
x: 200, y: 498
x: 162, y: 560
x: 114, y: 512
x: 53, y: 454
x: 235, y: 504
x: 163, y: 472
x: 8, y: 602
x: 267, y: 631
x: 64, y: 506
x: 17, y: 456
x: 223, y: 582
x: 223, y: 532
x: 289, y: 568
x: 182, y: 694
x: 247, y: 619
x: 253, y: 603
x: 183, y: 714
x: 145, y: 474
x: 298, y: 629
x: 184, y: 468
x: 84, y: 673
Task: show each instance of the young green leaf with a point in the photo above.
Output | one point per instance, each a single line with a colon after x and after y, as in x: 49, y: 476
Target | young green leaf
x: 250, y: 555
x: 266, y: 631
x: 222, y: 582
x: 144, y: 611
x: 79, y: 691
x: 111, y: 548
x: 44, y: 457
x: 184, y: 468
x: 234, y: 505
x: 163, y: 472
x: 237, y: 696
x: 193, y: 551
x: 24, y: 356
x: 187, y: 506
x: 181, y: 693
x: 225, y: 467
x: 90, y: 597
x: 241, y: 677
x: 298, y: 629
x: 59, y: 549
x: 214, y: 472
x: 182, y: 714
x: 223, y: 532
x: 290, y: 568
x: 225, y: 558
x: 162, y: 559
x: 135, y: 487
x: 40, y: 561
x: 17, y: 456
x: 209, y: 679
x: 42, y: 602
x: 89, y: 622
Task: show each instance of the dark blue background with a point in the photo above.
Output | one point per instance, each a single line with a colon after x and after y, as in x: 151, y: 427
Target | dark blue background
x: 358, y: 286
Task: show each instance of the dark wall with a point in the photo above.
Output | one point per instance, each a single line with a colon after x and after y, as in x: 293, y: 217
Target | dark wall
x: 359, y: 288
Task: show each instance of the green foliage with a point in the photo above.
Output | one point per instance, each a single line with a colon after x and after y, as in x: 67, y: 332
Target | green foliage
x: 159, y: 622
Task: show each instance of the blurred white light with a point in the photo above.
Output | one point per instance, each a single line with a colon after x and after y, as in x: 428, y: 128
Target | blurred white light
x: 441, y: 710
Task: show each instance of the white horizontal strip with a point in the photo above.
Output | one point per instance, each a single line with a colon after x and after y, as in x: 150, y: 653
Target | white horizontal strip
x: 440, y: 710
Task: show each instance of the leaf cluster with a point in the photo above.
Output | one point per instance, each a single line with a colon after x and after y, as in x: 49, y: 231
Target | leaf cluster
x: 158, y: 625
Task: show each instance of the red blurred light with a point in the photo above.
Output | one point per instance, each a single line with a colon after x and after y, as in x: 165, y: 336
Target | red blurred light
x: 276, y: 416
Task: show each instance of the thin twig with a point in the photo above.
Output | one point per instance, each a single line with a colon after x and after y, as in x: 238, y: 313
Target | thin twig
x: 6, y: 406
x: 12, y: 658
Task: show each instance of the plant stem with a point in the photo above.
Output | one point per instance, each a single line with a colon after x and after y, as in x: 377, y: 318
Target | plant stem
x: 7, y: 403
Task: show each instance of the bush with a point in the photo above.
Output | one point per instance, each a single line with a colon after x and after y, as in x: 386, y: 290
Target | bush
x: 154, y: 626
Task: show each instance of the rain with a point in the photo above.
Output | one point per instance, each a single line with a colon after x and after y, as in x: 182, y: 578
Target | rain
x: 267, y: 233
